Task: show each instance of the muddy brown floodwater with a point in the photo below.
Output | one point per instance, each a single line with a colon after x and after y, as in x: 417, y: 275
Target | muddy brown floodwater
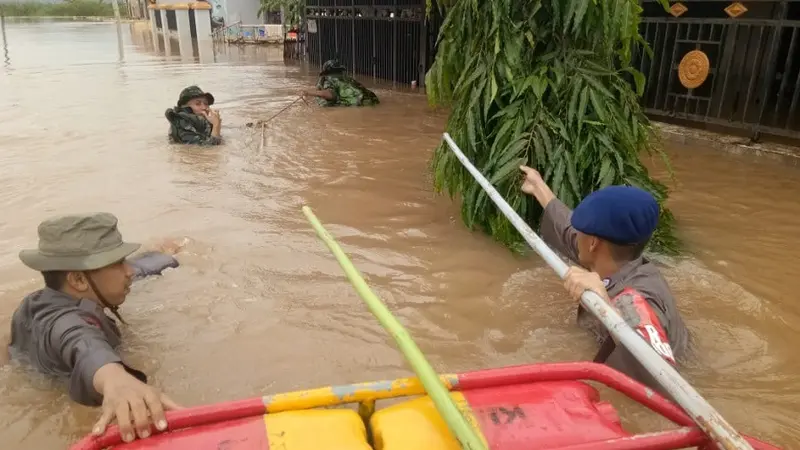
x: 260, y: 306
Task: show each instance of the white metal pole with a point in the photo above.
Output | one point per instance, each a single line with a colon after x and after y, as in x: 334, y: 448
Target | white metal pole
x: 116, y: 9
x: 119, y: 29
x: 701, y: 412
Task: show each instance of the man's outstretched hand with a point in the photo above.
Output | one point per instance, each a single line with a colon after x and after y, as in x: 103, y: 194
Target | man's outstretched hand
x: 534, y: 185
x: 134, y: 405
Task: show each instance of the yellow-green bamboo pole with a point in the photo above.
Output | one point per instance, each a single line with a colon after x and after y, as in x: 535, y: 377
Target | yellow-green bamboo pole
x: 458, y: 425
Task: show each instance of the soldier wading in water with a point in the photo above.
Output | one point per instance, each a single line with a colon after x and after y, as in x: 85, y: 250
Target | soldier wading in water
x: 193, y: 121
x: 336, y: 88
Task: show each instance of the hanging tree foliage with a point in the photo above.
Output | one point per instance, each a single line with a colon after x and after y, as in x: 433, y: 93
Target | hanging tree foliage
x: 291, y: 9
x: 549, y: 84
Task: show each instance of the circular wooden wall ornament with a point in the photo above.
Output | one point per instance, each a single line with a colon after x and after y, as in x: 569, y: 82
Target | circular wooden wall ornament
x: 693, y: 69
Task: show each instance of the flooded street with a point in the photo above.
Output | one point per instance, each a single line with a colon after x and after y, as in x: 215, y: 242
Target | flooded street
x: 260, y: 306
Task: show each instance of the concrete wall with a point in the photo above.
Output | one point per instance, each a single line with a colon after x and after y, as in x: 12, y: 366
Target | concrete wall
x: 245, y: 11
x: 232, y: 11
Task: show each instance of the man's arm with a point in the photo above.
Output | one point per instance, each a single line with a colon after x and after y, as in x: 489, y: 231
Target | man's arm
x: 557, y: 231
x: 215, y: 120
x: 98, y: 377
x: 325, y: 89
x: 84, y: 349
x: 188, y: 135
x: 327, y: 94
x: 555, y: 228
x: 632, y: 305
x: 151, y: 263
x: 642, y: 317
x: 637, y: 313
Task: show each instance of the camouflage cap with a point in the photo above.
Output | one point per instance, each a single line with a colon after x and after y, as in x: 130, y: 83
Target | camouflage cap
x: 332, y: 66
x: 193, y: 92
x: 78, y: 243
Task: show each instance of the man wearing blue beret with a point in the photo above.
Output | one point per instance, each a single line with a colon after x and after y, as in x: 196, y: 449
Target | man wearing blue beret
x: 607, y: 234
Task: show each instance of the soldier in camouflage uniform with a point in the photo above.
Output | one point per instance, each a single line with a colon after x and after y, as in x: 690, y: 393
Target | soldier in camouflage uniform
x: 336, y: 88
x: 193, y: 121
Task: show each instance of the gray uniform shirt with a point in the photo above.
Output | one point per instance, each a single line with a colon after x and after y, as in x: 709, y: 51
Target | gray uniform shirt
x: 636, y: 284
x: 67, y: 338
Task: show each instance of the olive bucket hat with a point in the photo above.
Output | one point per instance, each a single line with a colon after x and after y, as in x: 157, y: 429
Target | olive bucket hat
x: 78, y: 243
x: 194, y: 92
x: 332, y: 66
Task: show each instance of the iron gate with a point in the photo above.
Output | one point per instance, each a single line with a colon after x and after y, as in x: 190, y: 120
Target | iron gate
x: 751, y: 51
x: 388, y: 39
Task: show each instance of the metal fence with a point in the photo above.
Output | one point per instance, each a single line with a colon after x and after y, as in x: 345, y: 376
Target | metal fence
x: 172, y: 21
x: 388, y: 39
x: 751, y: 54
x: 156, y: 16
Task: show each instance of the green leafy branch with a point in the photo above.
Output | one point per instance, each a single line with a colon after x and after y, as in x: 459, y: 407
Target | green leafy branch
x: 292, y: 10
x: 547, y: 83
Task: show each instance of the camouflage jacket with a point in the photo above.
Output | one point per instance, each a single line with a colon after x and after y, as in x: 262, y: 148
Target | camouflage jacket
x: 346, y: 92
x: 188, y: 128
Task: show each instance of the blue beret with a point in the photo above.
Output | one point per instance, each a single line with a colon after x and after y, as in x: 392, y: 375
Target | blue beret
x: 619, y: 214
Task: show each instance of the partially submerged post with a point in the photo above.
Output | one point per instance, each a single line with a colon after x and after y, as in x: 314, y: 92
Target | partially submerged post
x: 118, y: 19
x: 3, y: 24
x: 263, y: 132
x: 3, y: 32
x: 115, y: 6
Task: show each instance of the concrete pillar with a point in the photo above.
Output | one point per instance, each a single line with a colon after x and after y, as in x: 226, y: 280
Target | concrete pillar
x: 151, y: 13
x: 153, y: 25
x: 202, y: 23
x: 205, y: 51
x: 182, y: 20
x: 165, y: 32
x: 164, y: 26
x: 184, y: 34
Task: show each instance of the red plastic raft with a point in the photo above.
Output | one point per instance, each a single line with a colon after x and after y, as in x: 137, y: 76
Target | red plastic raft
x: 537, y: 406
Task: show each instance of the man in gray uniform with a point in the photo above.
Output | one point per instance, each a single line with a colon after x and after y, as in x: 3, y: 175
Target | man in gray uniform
x: 62, y: 330
x: 607, y: 234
